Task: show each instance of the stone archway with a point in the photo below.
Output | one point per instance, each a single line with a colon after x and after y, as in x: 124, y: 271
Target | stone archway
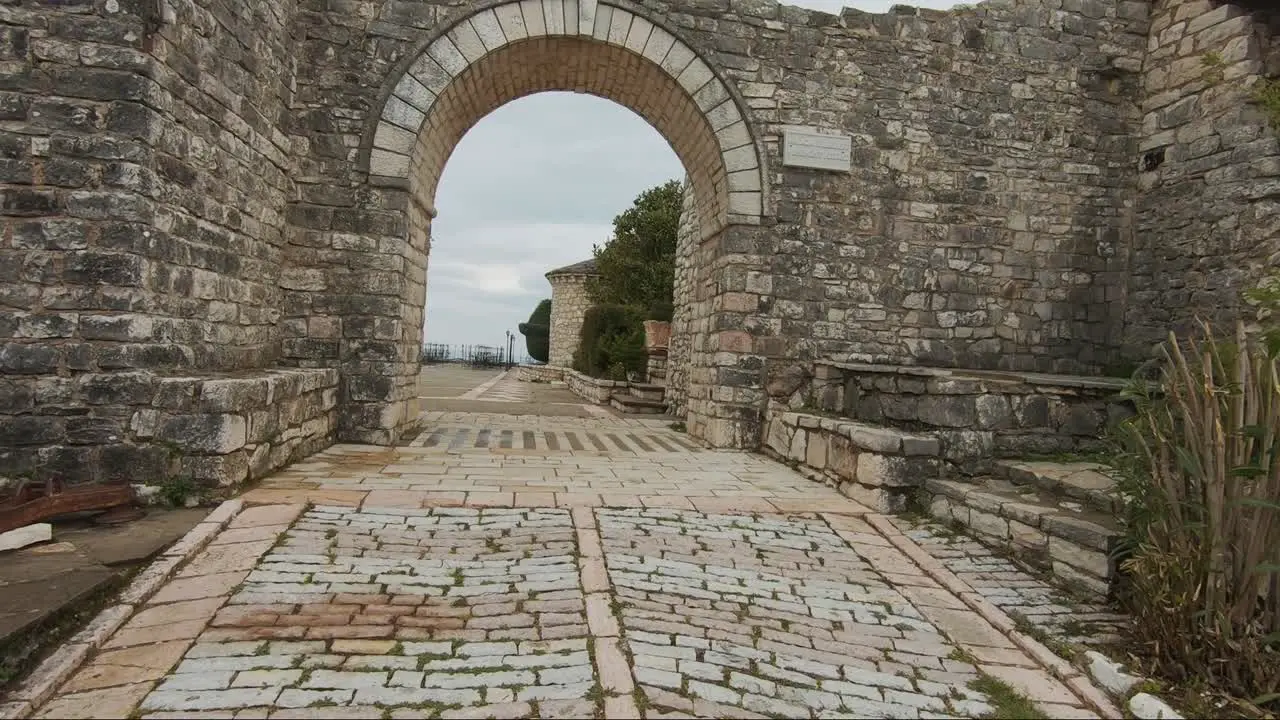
x: 498, y: 54
x: 490, y: 56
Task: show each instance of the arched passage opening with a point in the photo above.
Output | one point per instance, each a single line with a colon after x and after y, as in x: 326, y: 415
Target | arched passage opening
x: 494, y: 55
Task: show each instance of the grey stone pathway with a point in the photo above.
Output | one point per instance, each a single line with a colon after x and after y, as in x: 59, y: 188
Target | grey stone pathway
x: 528, y: 577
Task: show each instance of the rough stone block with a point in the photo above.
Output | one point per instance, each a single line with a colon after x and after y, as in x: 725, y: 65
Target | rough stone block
x: 216, y: 433
x: 876, y: 470
x: 237, y: 395
x: 219, y: 471
x: 875, y: 439
x: 1092, y: 562
x: 988, y: 524
x: 816, y: 453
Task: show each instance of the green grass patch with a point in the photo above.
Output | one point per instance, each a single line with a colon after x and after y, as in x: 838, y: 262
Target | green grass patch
x: 1005, y: 701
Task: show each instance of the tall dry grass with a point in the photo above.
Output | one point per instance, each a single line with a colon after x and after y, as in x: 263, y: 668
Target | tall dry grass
x: 1202, y: 571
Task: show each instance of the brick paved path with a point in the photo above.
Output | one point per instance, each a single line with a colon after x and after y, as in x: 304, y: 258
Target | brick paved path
x: 506, y: 566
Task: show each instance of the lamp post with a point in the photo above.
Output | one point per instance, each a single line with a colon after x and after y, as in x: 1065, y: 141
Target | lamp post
x: 510, y: 344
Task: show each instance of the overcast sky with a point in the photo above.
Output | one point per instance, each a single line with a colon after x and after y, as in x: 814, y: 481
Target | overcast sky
x: 511, y: 209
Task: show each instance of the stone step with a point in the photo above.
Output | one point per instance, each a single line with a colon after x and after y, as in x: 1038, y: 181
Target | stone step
x: 1087, y: 482
x: 632, y: 405
x: 1073, y: 542
x: 649, y: 391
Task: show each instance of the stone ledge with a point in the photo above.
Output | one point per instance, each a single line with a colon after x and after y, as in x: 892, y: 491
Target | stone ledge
x: 595, y: 390
x: 877, y: 466
x: 218, y: 430
x: 1088, y: 482
x: 976, y: 414
x: 541, y: 373
x: 1074, y: 546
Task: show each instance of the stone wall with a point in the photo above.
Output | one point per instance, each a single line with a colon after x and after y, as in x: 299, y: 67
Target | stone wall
x: 569, y: 304
x: 145, y: 428
x: 594, y: 390
x: 216, y: 185
x: 680, y: 350
x: 540, y: 373
x: 1208, y: 218
x: 144, y: 174
x: 975, y: 416
x: 983, y: 223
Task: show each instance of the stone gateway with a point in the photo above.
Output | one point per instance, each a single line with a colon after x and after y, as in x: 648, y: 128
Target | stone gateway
x: 217, y: 213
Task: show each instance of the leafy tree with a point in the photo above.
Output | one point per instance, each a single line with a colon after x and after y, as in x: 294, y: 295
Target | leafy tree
x: 612, y: 342
x: 537, y: 332
x: 637, y: 265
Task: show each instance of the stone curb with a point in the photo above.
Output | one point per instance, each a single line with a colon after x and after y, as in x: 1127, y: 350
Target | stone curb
x: 1078, y: 683
x: 63, y: 663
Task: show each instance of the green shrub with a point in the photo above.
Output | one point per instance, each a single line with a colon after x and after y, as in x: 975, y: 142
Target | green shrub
x: 1201, y: 467
x: 660, y: 311
x: 537, y: 332
x: 612, y: 342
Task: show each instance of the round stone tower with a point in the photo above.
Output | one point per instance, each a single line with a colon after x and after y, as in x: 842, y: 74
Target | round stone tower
x: 569, y: 303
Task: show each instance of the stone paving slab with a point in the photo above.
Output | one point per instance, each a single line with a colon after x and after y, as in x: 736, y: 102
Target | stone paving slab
x: 1017, y: 592
x: 549, y: 612
x: 474, y: 461
x: 536, y: 574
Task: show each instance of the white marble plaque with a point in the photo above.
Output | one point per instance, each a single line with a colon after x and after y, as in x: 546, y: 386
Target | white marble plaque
x: 808, y: 148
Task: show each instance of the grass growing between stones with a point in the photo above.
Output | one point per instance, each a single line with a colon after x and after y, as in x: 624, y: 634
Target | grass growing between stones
x: 1024, y: 625
x: 1006, y: 702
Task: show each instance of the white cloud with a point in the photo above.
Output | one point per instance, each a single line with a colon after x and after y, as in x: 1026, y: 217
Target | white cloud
x: 532, y: 187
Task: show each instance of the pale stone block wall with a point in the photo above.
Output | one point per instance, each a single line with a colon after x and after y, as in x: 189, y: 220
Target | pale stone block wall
x: 569, y: 303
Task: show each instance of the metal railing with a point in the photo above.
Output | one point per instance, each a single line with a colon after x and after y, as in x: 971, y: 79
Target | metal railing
x: 480, y: 356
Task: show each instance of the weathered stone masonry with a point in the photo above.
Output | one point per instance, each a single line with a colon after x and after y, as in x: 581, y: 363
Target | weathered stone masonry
x: 204, y: 187
x: 569, y: 304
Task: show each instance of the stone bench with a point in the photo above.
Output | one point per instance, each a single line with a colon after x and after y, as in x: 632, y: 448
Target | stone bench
x: 878, y: 466
x: 976, y: 415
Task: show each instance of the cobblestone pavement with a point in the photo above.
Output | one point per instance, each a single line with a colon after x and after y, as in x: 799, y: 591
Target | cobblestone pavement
x: 1023, y: 596
x: 550, y: 612
x: 547, y: 577
x: 488, y: 460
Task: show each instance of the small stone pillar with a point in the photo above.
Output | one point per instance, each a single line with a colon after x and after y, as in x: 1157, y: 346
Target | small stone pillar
x: 569, y: 303
x: 657, y: 337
